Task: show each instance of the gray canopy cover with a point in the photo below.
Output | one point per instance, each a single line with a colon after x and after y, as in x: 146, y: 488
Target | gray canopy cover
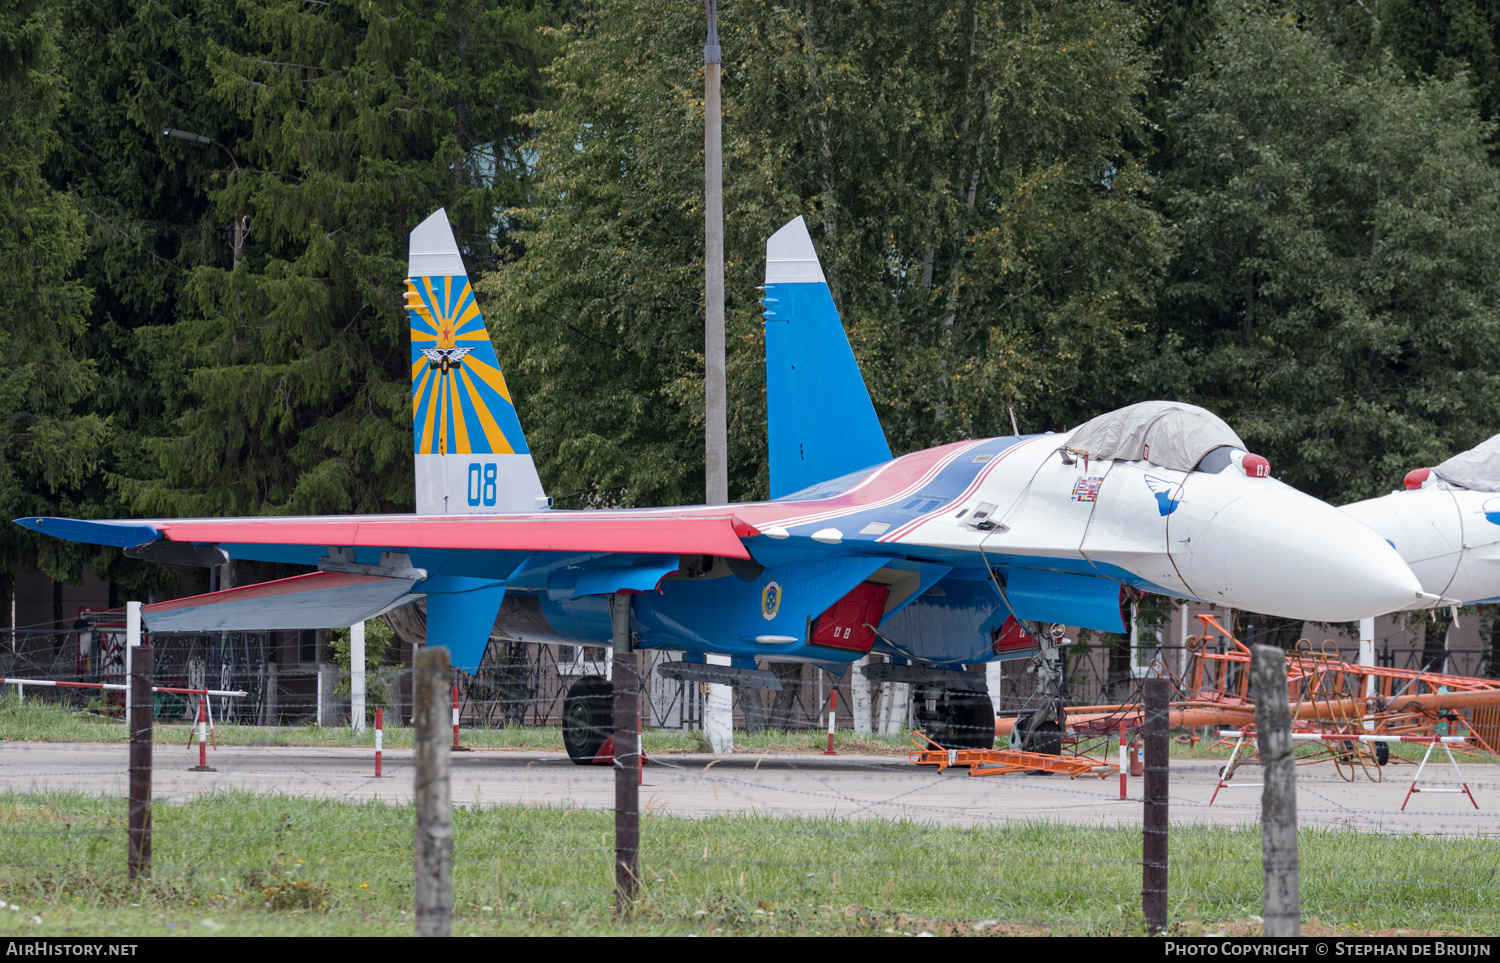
x: 1477, y: 469
x: 1166, y: 433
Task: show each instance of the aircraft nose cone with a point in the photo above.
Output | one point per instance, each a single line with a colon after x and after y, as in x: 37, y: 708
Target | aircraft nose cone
x: 1284, y: 553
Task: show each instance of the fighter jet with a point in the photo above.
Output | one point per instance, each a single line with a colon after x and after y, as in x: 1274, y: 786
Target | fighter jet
x: 938, y: 559
x: 1446, y: 524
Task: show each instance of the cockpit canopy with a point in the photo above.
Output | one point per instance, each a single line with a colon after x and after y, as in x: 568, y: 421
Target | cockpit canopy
x: 1477, y: 469
x: 1166, y: 433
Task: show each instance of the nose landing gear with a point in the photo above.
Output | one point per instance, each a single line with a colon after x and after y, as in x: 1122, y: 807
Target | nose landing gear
x: 1042, y: 729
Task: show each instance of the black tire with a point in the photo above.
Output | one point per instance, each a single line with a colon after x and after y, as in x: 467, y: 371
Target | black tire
x: 1047, y: 739
x: 971, y: 721
x: 1382, y: 753
x: 588, y: 718
x: 960, y: 720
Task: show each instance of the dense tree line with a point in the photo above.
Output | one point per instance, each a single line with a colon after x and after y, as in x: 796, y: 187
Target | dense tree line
x: 1284, y: 211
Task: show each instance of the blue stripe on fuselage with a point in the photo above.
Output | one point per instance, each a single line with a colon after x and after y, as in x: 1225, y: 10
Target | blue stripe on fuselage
x: 941, y: 491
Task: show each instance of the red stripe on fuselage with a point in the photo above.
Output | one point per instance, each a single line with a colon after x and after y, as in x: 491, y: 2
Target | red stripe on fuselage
x: 911, y: 526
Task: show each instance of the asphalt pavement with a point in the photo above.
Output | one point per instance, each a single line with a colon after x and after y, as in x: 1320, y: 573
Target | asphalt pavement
x: 697, y: 785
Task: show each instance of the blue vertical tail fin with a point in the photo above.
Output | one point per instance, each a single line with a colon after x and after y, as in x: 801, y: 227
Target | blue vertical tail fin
x: 820, y: 421
x: 471, y: 453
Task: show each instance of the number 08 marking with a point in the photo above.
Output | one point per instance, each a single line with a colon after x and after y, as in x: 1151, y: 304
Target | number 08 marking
x: 483, y: 487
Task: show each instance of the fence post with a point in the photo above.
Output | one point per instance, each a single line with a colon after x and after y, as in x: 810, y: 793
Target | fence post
x: 328, y: 701
x: 142, y: 704
x: 1278, y: 800
x: 434, y: 835
x: 627, y: 748
x: 270, y: 712
x: 1158, y: 779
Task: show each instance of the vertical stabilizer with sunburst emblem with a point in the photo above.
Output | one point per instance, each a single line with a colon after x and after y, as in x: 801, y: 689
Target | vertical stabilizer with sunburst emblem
x: 471, y: 453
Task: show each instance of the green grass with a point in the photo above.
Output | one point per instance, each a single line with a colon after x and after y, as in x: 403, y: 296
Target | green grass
x: 246, y: 865
x: 38, y: 721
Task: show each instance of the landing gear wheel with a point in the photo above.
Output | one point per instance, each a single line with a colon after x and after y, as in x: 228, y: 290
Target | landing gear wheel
x: 1047, y: 739
x: 957, y: 720
x: 588, y: 718
x: 971, y: 722
x: 1382, y: 753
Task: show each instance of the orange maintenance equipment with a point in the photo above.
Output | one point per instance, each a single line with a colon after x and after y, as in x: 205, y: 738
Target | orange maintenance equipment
x: 1326, y: 694
x: 997, y: 762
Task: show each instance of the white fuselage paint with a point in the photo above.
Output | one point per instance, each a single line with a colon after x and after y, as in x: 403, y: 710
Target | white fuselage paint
x: 1247, y: 543
x: 1445, y: 535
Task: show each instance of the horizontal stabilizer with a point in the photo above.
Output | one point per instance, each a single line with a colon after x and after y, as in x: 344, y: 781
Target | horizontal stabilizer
x: 319, y: 600
x: 820, y: 422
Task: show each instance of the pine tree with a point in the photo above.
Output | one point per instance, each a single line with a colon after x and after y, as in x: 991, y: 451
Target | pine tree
x: 46, y: 449
x: 133, y: 69
x: 1437, y: 38
x: 361, y: 118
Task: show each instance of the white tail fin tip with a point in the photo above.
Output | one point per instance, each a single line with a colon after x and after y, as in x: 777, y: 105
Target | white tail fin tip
x: 434, y: 252
x: 790, y: 258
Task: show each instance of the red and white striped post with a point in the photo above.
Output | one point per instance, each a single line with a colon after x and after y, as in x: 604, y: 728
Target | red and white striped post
x: 833, y: 701
x: 455, y: 717
x: 202, y: 740
x: 379, y: 739
x: 1124, y: 763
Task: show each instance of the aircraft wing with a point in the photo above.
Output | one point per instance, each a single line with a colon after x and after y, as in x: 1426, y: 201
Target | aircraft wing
x: 661, y: 533
x: 461, y: 609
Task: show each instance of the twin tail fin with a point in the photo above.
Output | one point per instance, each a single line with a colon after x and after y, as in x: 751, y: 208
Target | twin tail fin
x: 471, y: 454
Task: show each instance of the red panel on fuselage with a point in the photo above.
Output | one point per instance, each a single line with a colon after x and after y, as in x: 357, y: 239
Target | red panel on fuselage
x: 847, y: 624
x: 1012, y: 637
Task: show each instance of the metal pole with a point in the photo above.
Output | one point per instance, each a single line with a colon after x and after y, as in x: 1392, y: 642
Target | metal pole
x: 1278, y: 800
x: 1367, y: 658
x: 434, y: 835
x: 627, y: 748
x: 1154, y: 846
x: 139, y: 834
x: 859, y: 696
x: 203, y: 765
x: 132, y: 642
x: 379, y: 736
x: 715, y: 420
x: 357, y: 676
x: 718, y: 712
x: 1182, y: 654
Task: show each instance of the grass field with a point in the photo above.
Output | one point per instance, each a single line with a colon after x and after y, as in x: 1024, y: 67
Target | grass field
x: 246, y: 865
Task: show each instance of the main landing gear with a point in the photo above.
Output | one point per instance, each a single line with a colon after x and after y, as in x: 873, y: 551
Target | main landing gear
x: 955, y: 720
x: 952, y: 708
x: 588, y: 718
